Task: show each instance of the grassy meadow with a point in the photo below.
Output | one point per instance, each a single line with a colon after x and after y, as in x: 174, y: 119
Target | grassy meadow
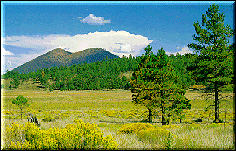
x: 113, y: 110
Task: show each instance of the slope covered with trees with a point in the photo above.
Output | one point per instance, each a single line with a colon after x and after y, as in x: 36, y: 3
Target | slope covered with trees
x: 106, y: 74
x: 59, y: 57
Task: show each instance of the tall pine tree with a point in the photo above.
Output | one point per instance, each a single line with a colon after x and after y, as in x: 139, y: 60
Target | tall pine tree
x: 155, y: 85
x: 213, y: 63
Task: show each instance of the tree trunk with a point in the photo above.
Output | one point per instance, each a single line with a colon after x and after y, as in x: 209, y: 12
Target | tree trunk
x: 21, y: 113
x: 163, y: 120
x: 149, y: 115
x: 217, y: 120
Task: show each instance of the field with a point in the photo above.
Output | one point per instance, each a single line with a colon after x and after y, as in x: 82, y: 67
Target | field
x: 112, y: 110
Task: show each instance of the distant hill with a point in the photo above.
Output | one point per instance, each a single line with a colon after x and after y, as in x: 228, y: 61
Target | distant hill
x: 58, y: 57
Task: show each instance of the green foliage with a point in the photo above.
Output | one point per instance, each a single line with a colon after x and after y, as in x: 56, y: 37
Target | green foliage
x: 15, y: 82
x: 180, y: 64
x: 156, y: 84
x: 21, y: 102
x: 215, y: 58
x: 106, y: 74
x: 213, y: 62
x: 93, y: 76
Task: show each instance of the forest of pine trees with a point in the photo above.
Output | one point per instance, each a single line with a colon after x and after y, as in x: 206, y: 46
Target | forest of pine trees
x: 106, y: 74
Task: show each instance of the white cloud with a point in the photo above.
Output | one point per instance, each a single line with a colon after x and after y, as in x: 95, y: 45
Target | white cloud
x: 93, y: 20
x: 169, y: 53
x: 5, y: 53
x: 125, y: 48
x: 34, y: 42
x: 117, y: 42
x: 183, y: 51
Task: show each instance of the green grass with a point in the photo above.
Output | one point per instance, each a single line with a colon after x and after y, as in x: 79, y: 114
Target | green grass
x: 112, y: 109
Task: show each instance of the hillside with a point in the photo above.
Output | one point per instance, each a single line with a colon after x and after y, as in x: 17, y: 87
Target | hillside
x: 58, y: 57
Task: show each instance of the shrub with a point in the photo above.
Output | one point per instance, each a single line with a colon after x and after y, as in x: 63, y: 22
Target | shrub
x: 170, y: 126
x: 48, y: 118
x: 194, y: 126
x: 78, y: 135
x: 214, y: 125
x: 158, y: 136
x: 148, y: 132
x: 134, y: 127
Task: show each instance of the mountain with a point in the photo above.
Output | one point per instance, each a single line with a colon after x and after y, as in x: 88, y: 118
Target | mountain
x: 58, y: 57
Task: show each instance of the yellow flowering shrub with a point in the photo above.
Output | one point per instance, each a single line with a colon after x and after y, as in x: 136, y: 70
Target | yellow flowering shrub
x: 157, y: 135
x: 134, y: 127
x: 194, y: 126
x: 170, y: 126
x: 7, y: 112
x: 64, y: 115
x: 197, y: 87
x: 14, y: 133
x: 110, y: 113
x: 48, y: 118
x: 78, y: 135
x: 214, y: 125
x: 148, y: 132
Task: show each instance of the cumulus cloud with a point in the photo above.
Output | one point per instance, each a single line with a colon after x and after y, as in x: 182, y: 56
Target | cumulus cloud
x: 34, y: 42
x: 93, y: 20
x: 184, y: 50
x: 117, y: 42
x: 5, y: 53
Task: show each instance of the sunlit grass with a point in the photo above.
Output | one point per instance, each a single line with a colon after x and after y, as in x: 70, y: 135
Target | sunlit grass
x: 112, y: 109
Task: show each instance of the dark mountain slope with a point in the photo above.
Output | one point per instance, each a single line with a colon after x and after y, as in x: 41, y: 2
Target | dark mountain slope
x: 58, y: 57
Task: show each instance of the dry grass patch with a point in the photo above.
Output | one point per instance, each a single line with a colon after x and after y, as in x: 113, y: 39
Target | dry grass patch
x: 112, y: 109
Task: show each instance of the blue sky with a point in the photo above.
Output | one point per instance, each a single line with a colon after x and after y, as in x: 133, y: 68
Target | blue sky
x: 32, y: 29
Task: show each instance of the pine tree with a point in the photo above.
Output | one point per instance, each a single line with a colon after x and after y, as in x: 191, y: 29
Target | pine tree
x: 15, y: 82
x: 21, y: 102
x: 214, y: 57
x: 155, y: 85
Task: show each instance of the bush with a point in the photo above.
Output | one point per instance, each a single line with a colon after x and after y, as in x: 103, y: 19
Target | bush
x: 48, y: 118
x: 194, y: 126
x: 158, y: 136
x: 78, y: 135
x: 214, y: 125
x: 147, y: 132
x: 134, y: 127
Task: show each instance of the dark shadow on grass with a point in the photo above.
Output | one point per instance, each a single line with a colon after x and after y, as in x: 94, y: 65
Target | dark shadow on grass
x: 39, y: 86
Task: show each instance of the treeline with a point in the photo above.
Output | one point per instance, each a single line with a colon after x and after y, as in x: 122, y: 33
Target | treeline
x: 106, y: 74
